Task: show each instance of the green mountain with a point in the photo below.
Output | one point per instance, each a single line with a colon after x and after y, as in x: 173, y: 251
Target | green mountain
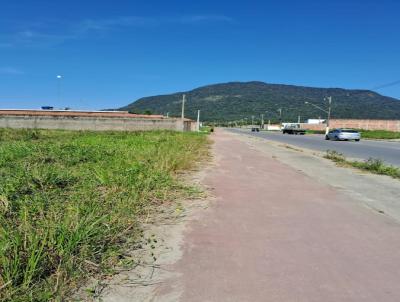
x: 237, y: 100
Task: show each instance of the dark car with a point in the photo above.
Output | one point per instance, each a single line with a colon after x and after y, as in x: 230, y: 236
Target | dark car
x: 293, y: 128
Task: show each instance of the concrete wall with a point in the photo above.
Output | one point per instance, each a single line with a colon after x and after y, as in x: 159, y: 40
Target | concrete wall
x: 390, y: 125
x: 317, y: 127
x: 272, y: 127
x: 190, y: 125
x: 91, y: 123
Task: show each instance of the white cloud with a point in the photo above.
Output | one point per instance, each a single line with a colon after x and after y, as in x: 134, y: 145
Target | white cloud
x: 10, y: 71
x: 134, y: 21
x: 55, y: 33
x: 206, y: 19
x: 107, y: 24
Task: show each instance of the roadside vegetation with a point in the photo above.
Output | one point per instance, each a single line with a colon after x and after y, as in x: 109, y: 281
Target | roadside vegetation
x: 315, y: 131
x: 72, y: 202
x: 207, y: 129
x: 367, y: 134
x: 379, y: 134
x: 375, y: 166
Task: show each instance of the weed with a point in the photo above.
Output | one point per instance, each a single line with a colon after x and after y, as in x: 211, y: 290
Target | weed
x: 335, y: 156
x: 373, y: 165
x: 377, y: 166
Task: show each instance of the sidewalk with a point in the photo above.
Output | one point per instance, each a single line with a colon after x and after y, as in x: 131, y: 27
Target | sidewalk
x: 273, y: 234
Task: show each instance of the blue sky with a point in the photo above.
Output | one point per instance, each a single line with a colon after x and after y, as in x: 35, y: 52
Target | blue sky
x: 112, y: 52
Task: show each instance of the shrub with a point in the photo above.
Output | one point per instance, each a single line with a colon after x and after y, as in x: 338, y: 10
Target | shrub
x: 335, y: 156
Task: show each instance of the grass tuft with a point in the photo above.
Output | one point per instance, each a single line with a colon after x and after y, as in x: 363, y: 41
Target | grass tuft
x: 373, y: 165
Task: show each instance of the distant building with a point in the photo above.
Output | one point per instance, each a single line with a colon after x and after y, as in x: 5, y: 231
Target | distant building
x: 315, y: 121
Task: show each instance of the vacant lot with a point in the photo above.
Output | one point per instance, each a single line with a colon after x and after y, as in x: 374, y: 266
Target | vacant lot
x: 70, y: 202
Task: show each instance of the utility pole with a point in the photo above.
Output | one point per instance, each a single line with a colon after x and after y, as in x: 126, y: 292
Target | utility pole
x: 280, y: 116
x: 198, y: 120
x: 262, y: 121
x: 59, y: 77
x: 183, y: 106
x: 329, y: 114
x: 298, y: 119
x: 252, y: 120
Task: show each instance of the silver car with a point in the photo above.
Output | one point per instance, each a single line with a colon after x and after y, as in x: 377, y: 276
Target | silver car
x: 343, y: 135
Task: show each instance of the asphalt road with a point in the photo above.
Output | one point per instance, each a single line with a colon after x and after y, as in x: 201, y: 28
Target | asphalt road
x: 384, y: 150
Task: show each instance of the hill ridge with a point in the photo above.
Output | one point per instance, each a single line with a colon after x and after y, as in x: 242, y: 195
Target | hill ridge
x: 236, y: 100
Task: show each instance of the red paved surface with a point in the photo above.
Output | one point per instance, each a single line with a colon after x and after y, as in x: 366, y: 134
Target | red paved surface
x: 276, y: 235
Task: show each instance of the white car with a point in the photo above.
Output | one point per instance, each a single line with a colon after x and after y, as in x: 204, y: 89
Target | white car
x: 343, y: 135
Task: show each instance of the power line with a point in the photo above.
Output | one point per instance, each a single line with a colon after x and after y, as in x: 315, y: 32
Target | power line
x: 386, y: 85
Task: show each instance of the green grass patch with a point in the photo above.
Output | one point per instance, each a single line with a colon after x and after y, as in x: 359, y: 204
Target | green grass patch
x: 69, y: 200
x: 379, y: 134
x: 315, y: 131
x: 375, y: 166
x: 207, y: 129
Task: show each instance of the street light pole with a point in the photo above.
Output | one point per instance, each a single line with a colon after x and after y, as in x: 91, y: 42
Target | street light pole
x: 328, y: 112
x: 262, y: 121
x: 280, y: 116
x: 183, y: 106
x: 198, y: 120
x: 59, y: 77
